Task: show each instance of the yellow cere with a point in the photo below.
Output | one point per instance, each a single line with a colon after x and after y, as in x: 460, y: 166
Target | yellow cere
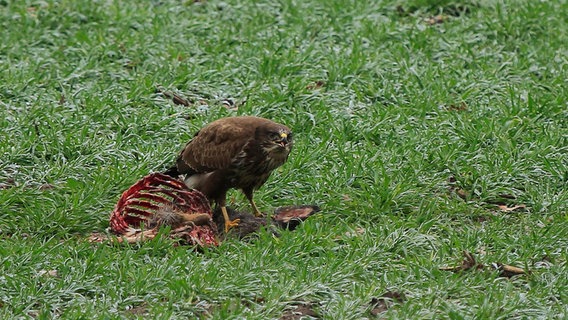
x: 283, y: 135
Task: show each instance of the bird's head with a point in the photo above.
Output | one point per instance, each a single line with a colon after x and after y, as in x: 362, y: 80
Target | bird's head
x: 277, y: 139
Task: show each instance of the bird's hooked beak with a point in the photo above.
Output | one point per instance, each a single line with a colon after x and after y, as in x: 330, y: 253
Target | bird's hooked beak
x: 283, y: 139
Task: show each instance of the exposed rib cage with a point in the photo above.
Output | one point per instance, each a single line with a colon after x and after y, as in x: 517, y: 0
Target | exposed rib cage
x: 134, y: 216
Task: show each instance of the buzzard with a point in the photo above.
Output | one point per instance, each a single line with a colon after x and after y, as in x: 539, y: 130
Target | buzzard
x: 233, y: 152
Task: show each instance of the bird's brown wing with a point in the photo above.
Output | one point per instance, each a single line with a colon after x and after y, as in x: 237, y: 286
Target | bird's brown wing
x: 214, y: 147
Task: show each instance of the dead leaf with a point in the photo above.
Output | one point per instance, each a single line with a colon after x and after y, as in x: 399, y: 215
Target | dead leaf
x: 315, y: 85
x: 453, y: 188
x: 47, y: 273
x: 177, y: 99
x: 97, y: 237
x: 461, y: 106
x: 441, y: 18
x: 299, y: 311
x: 139, y: 310
x: 505, y: 208
x: 9, y: 183
x: 385, y: 301
x: 507, y: 271
x: 467, y: 263
x: 462, y: 194
x: 46, y: 186
x: 470, y: 263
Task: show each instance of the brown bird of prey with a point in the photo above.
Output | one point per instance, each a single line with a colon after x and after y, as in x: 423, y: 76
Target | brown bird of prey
x: 234, y: 152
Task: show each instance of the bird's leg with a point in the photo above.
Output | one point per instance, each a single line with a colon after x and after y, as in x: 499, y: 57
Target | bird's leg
x: 228, y: 223
x: 255, y: 209
x: 248, y: 194
x: 221, y: 202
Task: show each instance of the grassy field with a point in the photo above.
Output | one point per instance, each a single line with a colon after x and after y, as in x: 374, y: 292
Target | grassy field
x: 424, y: 129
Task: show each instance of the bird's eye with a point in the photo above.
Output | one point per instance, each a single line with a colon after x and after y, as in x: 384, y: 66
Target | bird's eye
x: 290, y: 136
x: 275, y: 136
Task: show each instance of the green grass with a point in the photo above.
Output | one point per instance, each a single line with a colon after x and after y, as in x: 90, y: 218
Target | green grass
x: 409, y: 114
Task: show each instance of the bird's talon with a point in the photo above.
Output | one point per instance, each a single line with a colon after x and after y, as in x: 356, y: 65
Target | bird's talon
x: 231, y: 224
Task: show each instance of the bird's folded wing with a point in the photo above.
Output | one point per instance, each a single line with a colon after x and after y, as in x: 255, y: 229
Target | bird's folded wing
x: 215, y: 147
